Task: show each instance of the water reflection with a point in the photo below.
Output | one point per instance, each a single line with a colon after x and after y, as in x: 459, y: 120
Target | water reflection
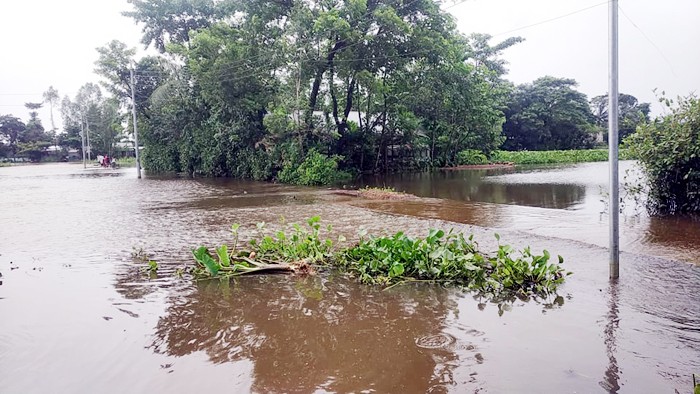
x: 478, y: 185
x: 317, y: 333
x: 611, y: 380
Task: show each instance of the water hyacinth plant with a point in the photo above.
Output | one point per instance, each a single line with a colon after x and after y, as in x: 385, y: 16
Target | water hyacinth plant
x: 450, y: 257
x: 283, y: 253
x: 389, y: 260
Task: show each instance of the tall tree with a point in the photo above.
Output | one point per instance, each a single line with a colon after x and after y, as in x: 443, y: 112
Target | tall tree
x: 114, y: 63
x: 631, y: 115
x: 51, y: 97
x: 482, y: 53
x: 166, y: 21
x: 548, y: 114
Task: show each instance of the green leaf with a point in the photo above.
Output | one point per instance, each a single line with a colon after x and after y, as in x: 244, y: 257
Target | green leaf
x: 397, y: 269
x: 202, y: 256
x: 224, y: 258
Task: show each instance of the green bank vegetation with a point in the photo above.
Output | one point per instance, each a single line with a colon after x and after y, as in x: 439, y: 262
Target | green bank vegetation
x: 669, y: 152
x: 556, y: 156
x: 446, y: 257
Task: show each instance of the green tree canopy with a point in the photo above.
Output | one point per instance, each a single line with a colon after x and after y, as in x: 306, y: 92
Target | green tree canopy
x: 11, y: 129
x: 632, y: 113
x: 257, y: 85
x: 168, y: 21
x: 548, y: 114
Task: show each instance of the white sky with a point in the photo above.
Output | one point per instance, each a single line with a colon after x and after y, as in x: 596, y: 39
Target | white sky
x: 49, y: 42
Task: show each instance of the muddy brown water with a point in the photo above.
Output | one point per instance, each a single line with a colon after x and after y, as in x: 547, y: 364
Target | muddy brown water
x: 78, y: 316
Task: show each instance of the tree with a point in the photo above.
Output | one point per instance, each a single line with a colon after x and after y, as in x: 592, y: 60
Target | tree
x: 114, y: 64
x: 11, y: 128
x: 669, y: 152
x: 98, y: 117
x: 632, y: 114
x: 258, y: 85
x: 72, y: 120
x: 166, y: 21
x: 548, y: 114
x: 34, y: 130
x: 51, y: 97
x: 481, y: 53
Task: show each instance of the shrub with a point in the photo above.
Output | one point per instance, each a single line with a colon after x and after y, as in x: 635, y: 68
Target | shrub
x: 471, y: 157
x: 669, y: 153
x: 315, y: 169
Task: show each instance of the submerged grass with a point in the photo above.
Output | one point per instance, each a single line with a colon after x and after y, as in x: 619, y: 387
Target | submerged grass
x: 387, y: 261
x: 556, y: 156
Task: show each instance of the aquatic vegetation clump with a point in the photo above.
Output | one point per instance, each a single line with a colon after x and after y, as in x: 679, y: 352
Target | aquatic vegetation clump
x: 450, y: 257
x: 388, y: 260
x: 383, y: 193
x: 294, y: 252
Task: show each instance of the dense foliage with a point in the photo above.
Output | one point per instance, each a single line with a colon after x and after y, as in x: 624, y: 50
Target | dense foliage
x: 452, y: 258
x: 548, y: 114
x: 439, y: 257
x: 669, y: 152
x: 279, y: 90
x: 632, y: 114
x: 29, y: 140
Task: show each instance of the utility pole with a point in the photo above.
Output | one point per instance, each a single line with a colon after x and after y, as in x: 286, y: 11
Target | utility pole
x: 89, y: 146
x: 136, y: 134
x: 613, y: 114
x: 82, y: 140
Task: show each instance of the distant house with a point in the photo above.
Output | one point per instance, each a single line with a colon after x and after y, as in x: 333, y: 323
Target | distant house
x: 125, y: 148
x: 73, y: 154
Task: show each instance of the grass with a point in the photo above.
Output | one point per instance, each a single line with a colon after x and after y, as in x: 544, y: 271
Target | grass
x: 556, y: 156
x: 127, y: 162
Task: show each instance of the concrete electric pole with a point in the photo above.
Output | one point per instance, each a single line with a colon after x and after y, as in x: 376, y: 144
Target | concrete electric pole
x: 613, y: 113
x: 136, y: 133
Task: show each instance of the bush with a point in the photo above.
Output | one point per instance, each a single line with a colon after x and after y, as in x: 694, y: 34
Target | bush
x: 669, y: 152
x: 471, y: 157
x: 315, y: 169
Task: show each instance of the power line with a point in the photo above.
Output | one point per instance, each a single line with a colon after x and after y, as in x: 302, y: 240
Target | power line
x: 650, y: 41
x: 550, y: 20
x: 237, y: 65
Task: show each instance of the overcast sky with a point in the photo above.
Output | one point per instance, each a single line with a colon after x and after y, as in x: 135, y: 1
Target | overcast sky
x: 48, y: 42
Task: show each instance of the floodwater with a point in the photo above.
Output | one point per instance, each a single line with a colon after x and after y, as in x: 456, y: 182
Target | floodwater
x: 563, y: 201
x: 77, y: 314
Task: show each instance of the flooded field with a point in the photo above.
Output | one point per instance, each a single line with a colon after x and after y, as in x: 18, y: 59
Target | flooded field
x: 77, y: 314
